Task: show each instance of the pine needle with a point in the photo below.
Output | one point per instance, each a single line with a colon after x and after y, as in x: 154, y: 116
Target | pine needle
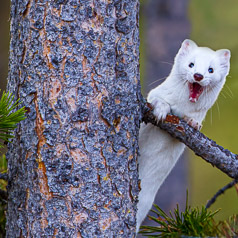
x: 9, y: 116
x: 192, y: 222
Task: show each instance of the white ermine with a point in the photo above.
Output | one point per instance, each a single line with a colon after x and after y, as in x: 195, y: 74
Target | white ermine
x: 197, y: 77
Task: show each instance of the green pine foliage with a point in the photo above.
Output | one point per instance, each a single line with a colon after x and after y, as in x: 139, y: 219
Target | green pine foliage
x: 229, y: 228
x: 192, y: 222
x: 9, y: 116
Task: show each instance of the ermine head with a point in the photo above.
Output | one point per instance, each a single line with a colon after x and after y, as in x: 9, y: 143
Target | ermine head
x: 201, y: 69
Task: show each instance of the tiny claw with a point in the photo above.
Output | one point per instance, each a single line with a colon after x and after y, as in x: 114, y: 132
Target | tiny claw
x: 150, y: 106
x: 191, y: 122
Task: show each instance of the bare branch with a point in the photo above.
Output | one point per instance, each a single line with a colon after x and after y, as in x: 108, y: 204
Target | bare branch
x: 221, y: 191
x: 202, y: 146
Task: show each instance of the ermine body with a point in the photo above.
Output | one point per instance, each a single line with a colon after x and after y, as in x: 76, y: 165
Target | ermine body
x: 197, y: 77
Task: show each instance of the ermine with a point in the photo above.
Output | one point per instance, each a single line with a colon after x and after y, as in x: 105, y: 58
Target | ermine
x: 192, y: 87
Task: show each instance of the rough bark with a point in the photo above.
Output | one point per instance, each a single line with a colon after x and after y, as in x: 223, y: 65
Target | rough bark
x: 72, y: 164
x: 202, y: 146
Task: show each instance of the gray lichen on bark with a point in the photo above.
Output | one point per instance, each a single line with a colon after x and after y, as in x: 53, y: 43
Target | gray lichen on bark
x: 72, y: 165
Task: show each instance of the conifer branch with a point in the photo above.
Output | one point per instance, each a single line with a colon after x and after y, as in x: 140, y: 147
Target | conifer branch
x: 9, y: 116
x: 202, y: 146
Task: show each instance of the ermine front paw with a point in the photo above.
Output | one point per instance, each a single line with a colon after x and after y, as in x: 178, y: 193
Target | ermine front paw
x: 191, y: 122
x: 161, y: 108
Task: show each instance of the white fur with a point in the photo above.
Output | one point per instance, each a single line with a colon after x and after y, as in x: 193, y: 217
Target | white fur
x: 158, y: 150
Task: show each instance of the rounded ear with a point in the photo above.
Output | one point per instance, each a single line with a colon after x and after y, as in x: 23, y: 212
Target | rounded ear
x: 186, y: 47
x: 224, y: 56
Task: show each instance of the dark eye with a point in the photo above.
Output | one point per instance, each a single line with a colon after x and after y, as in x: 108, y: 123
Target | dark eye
x: 210, y: 70
x: 191, y: 65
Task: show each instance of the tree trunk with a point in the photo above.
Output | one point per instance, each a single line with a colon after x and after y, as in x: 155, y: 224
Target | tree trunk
x: 72, y: 164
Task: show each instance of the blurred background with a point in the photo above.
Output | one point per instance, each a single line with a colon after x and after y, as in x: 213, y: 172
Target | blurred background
x: 4, y: 42
x: 164, y: 24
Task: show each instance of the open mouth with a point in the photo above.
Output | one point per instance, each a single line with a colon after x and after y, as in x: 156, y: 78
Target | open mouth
x: 195, y: 90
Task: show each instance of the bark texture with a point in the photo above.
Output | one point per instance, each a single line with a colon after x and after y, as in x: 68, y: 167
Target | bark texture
x: 72, y: 164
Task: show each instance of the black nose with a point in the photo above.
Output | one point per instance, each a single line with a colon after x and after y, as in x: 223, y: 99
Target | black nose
x: 198, y: 77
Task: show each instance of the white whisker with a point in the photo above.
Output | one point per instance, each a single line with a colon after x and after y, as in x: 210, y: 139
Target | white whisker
x: 218, y: 110
x: 157, y: 81
x: 223, y: 95
x: 231, y: 94
x: 165, y: 62
x: 161, y: 79
x: 211, y: 116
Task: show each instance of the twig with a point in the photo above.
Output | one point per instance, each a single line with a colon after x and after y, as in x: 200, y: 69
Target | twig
x: 202, y: 146
x: 221, y: 191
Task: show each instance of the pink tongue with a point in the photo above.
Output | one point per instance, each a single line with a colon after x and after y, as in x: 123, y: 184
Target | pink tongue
x: 195, y: 91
